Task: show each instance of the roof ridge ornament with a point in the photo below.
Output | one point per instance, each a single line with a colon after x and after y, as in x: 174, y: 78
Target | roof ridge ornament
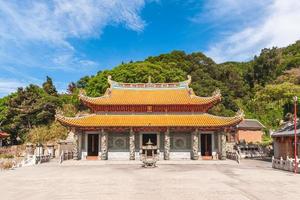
x: 82, y: 92
x: 189, y: 81
x: 240, y: 114
x: 149, y: 84
x: 217, y: 92
x: 109, y: 80
x: 59, y: 114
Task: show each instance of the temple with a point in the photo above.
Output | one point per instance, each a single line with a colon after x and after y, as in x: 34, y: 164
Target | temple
x: 169, y: 115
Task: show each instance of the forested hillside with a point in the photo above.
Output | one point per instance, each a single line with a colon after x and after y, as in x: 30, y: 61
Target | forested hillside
x: 262, y: 87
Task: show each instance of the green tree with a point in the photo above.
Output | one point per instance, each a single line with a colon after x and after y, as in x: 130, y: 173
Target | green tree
x: 47, y: 133
x: 49, y: 87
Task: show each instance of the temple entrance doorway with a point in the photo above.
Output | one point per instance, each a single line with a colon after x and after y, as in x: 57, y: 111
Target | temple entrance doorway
x: 206, y: 145
x: 149, y: 136
x: 93, y: 144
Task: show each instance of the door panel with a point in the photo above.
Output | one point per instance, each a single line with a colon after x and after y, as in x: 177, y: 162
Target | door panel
x: 206, y: 145
x: 93, y: 144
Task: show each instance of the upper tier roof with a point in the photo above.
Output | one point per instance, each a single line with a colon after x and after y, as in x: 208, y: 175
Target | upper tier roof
x: 150, y: 94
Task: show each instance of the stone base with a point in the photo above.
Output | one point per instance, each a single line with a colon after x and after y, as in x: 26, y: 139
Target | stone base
x: 118, y: 155
x: 180, y: 156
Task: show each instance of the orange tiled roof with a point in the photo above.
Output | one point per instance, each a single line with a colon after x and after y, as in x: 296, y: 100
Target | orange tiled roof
x: 196, y: 120
x: 3, y: 134
x: 150, y: 97
x: 150, y: 94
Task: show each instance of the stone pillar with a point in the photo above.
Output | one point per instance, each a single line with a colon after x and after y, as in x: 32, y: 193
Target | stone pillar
x: 75, y: 147
x: 167, y: 145
x: 195, y: 144
x: 223, y: 146
x: 29, y: 149
x: 39, y: 150
x: 132, y: 144
x: 104, y: 145
x: 50, y: 148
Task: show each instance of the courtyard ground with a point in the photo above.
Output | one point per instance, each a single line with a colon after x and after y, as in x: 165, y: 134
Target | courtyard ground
x: 172, y: 180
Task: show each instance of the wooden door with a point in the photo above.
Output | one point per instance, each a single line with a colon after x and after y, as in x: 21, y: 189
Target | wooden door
x: 93, y: 144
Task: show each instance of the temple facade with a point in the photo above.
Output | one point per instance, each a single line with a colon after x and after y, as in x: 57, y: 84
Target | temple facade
x: 169, y: 115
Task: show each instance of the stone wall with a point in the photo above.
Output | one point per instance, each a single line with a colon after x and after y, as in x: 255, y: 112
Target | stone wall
x: 250, y: 136
x: 284, y: 147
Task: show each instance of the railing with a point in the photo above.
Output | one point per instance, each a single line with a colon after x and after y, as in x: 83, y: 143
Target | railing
x: 42, y: 158
x: 287, y: 165
x: 65, y: 155
x: 233, y: 156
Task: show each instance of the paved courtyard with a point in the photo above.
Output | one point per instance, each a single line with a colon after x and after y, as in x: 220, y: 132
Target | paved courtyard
x: 211, y: 180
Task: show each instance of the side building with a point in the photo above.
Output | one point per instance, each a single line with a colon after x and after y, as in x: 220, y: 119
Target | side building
x: 249, y: 131
x: 169, y: 115
x: 283, y: 141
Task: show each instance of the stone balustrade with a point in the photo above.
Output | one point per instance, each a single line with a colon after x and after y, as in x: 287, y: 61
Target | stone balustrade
x: 66, y: 155
x: 42, y: 158
x: 231, y: 155
x: 287, y: 165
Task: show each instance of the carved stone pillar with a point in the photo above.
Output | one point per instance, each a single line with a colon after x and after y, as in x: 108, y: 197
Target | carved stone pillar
x: 167, y: 145
x: 75, y: 147
x: 223, y: 146
x: 29, y: 149
x: 104, y: 144
x: 195, y: 144
x: 132, y: 145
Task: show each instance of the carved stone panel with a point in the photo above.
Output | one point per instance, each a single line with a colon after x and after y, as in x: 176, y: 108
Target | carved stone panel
x: 195, y: 145
x: 132, y: 145
x: 75, y: 147
x: 180, y: 142
x: 223, y: 146
x: 167, y: 145
x: 104, y: 146
x: 118, y: 142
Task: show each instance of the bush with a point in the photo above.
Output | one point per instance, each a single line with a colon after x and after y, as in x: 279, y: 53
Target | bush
x: 6, y: 156
x: 6, y: 164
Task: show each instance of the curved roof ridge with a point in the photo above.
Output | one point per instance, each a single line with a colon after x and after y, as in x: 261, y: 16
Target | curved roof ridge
x: 239, y: 114
x: 85, y: 97
x: 215, y: 95
x: 180, y: 84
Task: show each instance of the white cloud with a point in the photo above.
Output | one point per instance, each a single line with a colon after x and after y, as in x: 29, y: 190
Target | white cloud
x: 9, y: 85
x: 57, y: 20
x: 277, y: 26
x: 37, y: 34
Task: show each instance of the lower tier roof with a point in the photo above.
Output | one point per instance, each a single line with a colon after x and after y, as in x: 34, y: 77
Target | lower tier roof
x: 167, y: 120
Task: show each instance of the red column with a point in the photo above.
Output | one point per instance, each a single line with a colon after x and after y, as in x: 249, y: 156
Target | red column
x: 295, y: 132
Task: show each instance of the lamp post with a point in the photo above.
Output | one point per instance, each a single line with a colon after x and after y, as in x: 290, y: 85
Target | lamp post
x: 295, y: 132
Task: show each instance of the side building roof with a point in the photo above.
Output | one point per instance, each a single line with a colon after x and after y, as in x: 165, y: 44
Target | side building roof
x: 287, y: 131
x: 250, y: 124
x: 3, y: 134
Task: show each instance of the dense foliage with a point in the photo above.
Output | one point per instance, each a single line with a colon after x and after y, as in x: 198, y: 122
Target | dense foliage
x: 262, y: 87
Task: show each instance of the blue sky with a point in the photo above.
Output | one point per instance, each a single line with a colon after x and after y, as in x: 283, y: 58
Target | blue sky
x: 67, y: 39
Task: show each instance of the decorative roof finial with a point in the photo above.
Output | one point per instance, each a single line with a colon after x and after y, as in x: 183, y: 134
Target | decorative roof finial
x: 82, y: 92
x: 110, y: 82
x: 149, y: 79
x: 109, y: 78
x: 59, y: 114
x: 217, y: 92
x: 240, y: 113
x: 189, y: 81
